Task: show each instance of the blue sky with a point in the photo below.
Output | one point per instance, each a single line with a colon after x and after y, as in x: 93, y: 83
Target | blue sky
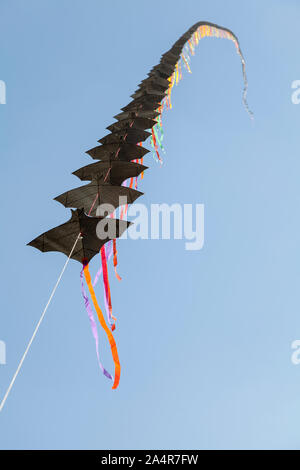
x: 204, y: 337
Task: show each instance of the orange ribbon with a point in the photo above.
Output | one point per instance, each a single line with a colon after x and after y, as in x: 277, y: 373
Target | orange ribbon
x: 110, y: 337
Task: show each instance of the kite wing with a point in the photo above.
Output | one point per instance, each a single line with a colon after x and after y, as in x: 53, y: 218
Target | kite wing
x: 114, y: 171
x: 102, y: 193
x: 63, y: 237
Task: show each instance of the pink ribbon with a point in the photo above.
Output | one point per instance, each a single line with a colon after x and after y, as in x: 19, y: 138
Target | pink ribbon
x: 109, y: 252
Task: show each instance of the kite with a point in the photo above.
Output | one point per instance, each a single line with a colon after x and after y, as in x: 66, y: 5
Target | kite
x: 119, y: 163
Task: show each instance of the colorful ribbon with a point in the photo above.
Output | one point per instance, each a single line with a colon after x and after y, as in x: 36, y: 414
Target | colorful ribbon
x: 110, y: 337
x: 109, y: 252
x: 93, y: 325
x: 116, y: 259
x: 107, y: 287
x: 176, y: 76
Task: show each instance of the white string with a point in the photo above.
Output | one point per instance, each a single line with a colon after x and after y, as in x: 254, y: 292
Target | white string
x: 37, y: 327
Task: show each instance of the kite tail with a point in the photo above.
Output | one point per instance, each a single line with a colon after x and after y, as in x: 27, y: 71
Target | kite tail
x: 245, y: 90
x: 93, y: 325
x: 107, y: 287
x: 110, y: 337
x: 108, y: 253
x: 153, y: 142
x: 203, y: 30
x: 116, y: 259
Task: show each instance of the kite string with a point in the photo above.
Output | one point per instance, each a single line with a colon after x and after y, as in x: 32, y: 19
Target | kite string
x: 42, y: 316
x: 37, y: 326
x: 44, y: 313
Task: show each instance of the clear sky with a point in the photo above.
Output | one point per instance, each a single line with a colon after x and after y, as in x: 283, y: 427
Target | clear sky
x: 204, y: 337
